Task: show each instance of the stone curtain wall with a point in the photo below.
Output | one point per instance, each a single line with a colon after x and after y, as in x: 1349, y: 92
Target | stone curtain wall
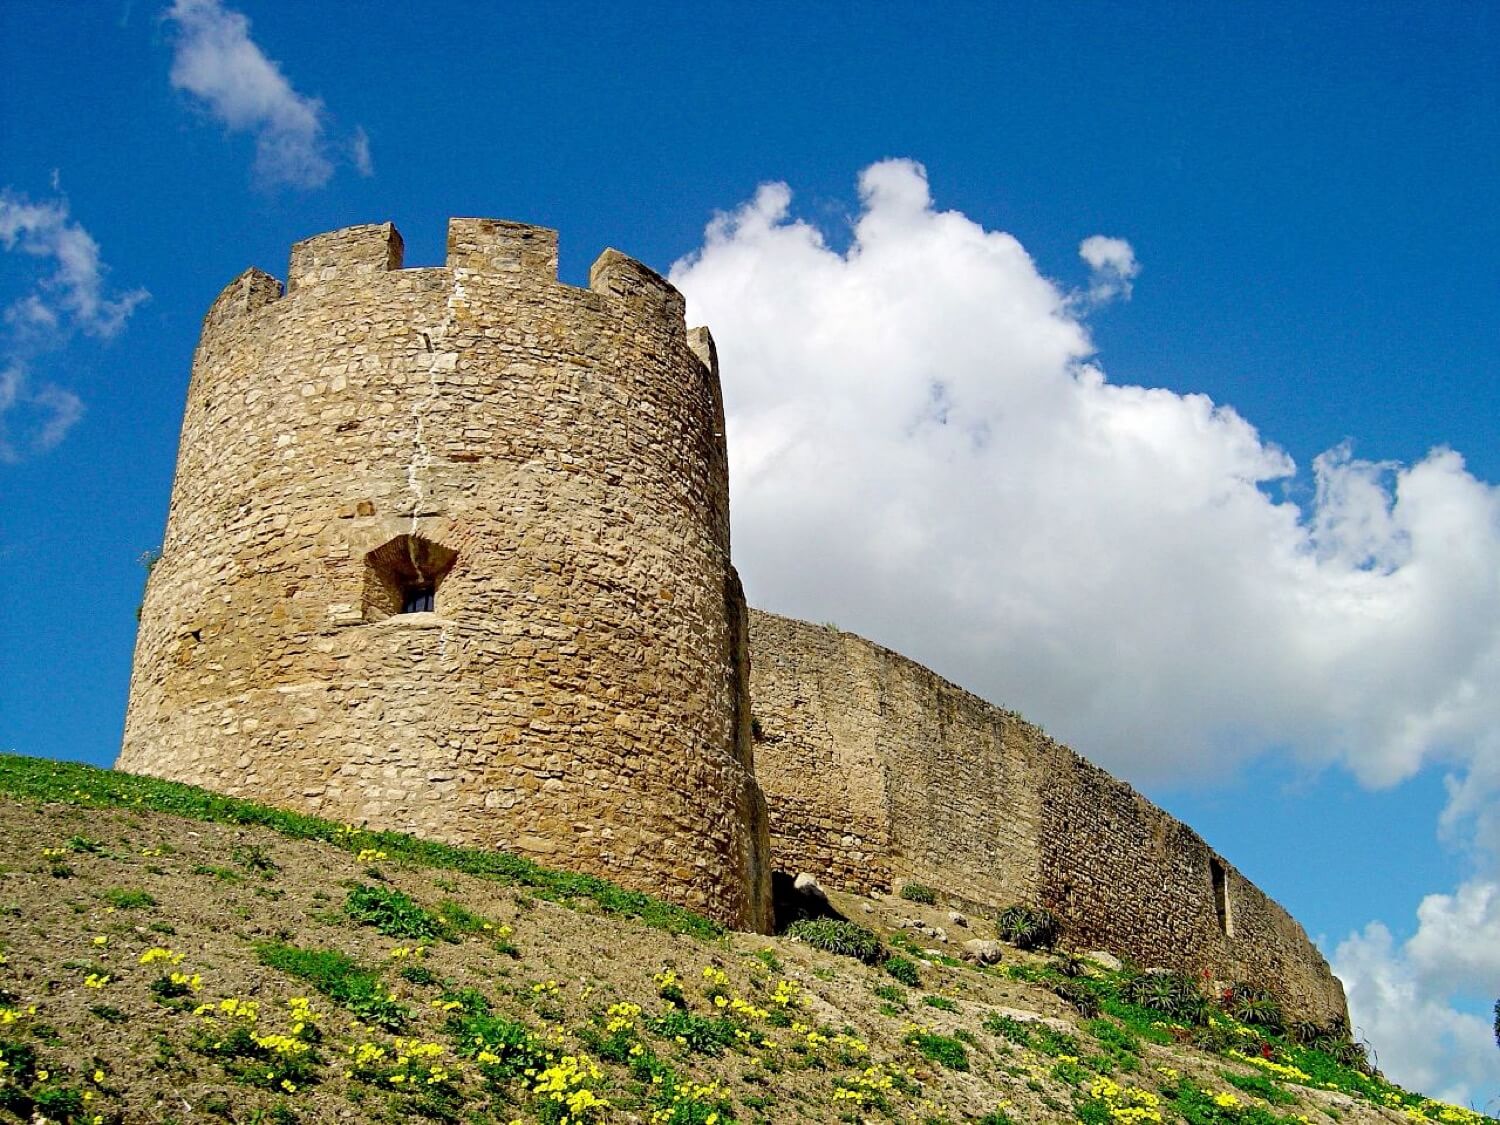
x: 877, y: 771
x: 549, y: 462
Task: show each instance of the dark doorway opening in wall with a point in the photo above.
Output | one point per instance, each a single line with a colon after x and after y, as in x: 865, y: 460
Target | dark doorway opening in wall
x: 404, y: 575
x: 1220, y: 879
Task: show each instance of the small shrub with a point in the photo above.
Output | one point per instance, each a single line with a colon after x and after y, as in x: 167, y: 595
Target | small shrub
x: 944, y: 1050
x: 58, y: 1103
x: 768, y: 958
x: 1028, y: 927
x: 510, y: 1049
x: 997, y: 1117
x: 1007, y: 1027
x: 941, y: 1003
x: 890, y: 992
x: 903, y: 969
x: 917, y: 892
x: 122, y: 899
x: 255, y: 858
x: 419, y: 975
x: 708, y: 1035
x: 459, y: 919
x: 391, y: 912
x: 848, y: 939
x: 1080, y: 995
x: 338, y: 977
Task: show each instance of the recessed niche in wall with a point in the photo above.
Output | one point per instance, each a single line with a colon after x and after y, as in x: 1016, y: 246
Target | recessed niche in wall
x: 403, y: 576
x: 1220, y: 878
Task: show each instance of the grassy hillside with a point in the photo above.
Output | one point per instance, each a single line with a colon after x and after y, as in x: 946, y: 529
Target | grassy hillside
x: 173, y: 956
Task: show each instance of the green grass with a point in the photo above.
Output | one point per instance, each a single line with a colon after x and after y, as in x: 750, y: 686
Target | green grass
x: 903, y: 969
x: 44, y: 780
x: 340, y: 978
x: 392, y: 912
x: 122, y: 899
x: 945, y: 1050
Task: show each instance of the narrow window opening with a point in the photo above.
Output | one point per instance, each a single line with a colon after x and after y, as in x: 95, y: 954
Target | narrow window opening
x: 404, y: 575
x: 1220, y: 879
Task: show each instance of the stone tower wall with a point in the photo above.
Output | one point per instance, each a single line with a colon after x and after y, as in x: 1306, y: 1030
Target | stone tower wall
x: 877, y: 772
x: 550, y: 461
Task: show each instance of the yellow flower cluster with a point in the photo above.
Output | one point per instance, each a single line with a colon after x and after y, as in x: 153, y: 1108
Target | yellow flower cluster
x: 160, y: 953
x: 1129, y: 1105
x: 786, y: 994
x: 192, y: 983
x: 304, y: 1016
x: 717, y: 978
x: 665, y: 979
x: 231, y: 1009
x: 1280, y: 1070
x: 568, y: 1082
x: 874, y: 1082
x: 96, y: 980
x: 1453, y: 1114
x: 1225, y: 1100
x: 370, y: 855
x: 544, y: 988
x: 401, y: 952
x: 622, y: 1017
x: 690, y: 1091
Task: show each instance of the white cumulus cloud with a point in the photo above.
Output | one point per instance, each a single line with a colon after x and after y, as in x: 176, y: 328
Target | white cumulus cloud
x: 1112, y: 264
x: 924, y: 448
x: 1401, y: 999
x: 216, y: 61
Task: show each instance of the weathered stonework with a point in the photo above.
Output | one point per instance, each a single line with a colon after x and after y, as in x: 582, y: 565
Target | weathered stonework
x: 544, y: 463
x: 878, y: 771
x: 448, y: 552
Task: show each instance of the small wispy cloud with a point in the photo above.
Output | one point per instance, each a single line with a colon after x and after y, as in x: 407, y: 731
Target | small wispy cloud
x: 215, y: 60
x: 1112, y: 267
x: 359, y: 148
x: 69, y: 296
x: 75, y: 287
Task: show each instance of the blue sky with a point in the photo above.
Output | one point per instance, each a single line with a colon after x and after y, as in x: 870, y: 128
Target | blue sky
x: 1297, y: 206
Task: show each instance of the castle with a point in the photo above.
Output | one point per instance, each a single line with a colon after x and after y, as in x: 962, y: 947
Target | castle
x: 448, y: 553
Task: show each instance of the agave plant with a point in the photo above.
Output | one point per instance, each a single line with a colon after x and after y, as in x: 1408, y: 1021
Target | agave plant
x: 1080, y: 995
x: 1172, y: 994
x: 1028, y: 927
x: 846, y: 938
x: 1250, y: 1003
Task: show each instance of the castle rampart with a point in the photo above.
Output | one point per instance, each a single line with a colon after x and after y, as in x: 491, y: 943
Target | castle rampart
x: 448, y: 552
x: 877, y: 772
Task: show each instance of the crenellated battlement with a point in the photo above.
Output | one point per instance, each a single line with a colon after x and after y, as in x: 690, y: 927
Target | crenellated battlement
x: 514, y: 254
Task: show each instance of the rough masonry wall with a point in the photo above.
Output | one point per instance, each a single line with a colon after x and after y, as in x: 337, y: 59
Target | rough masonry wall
x: 548, y: 462
x: 936, y: 786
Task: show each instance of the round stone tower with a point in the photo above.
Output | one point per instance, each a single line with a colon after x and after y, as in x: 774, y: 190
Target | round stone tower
x: 448, y: 553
